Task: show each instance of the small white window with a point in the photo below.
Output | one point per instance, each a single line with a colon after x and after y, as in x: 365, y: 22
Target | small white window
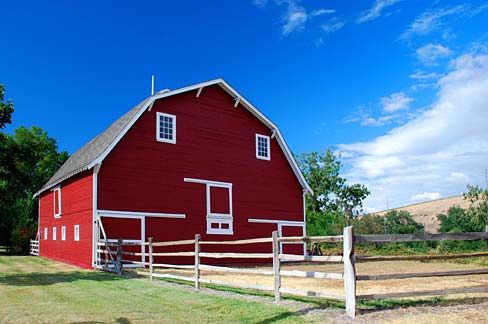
x: 262, y: 147
x: 63, y: 233
x: 166, y: 128
x: 54, y: 233
x: 77, y: 232
x: 45, y: 233
x: 57, y: 202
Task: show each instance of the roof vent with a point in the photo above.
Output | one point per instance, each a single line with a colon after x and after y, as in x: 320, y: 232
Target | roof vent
x: 164, y: 90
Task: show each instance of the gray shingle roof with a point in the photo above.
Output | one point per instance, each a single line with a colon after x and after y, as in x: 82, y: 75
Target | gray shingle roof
x: 80, y: 160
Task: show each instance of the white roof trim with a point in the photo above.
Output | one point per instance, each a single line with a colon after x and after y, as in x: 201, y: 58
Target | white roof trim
x: 231, y: 91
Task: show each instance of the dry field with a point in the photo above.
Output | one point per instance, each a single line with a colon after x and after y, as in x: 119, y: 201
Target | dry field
x: 426, y: 212
x: 365, y: 287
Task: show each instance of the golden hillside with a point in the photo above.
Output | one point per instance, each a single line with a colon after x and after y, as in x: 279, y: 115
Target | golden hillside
x: 426, y: 212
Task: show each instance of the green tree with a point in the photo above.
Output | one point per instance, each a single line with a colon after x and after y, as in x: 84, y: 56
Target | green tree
x: 370, y: 224
x: 479, y: 203
x: 459, y: 220
x: 6, y: 109
x: 27, y: 160
x: 334, y: 202
x: 401, y: 222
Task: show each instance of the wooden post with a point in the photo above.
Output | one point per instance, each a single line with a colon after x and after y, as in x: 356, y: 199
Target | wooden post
x: 276, y: 267
x: 119, y: 256
x: 197, y: 262
x: 349, y: 271
x: 151, y: 259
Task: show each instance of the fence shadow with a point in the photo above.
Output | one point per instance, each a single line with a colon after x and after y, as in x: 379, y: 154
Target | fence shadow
x: 119, y: 320
x: 46, y: 279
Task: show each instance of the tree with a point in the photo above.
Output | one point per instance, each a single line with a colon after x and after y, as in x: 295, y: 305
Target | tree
x: 333, y: 201
x: 6, y: 109
x: 459, y: 220
x: 479, y: 203
x: 401, y: 222
x: 27, y: 160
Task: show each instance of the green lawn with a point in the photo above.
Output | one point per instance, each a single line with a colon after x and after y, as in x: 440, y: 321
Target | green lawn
x: 37, y: 290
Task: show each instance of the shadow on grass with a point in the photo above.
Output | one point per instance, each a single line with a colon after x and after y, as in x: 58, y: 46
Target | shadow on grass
x: 44, y: 279
x: 120, y: 320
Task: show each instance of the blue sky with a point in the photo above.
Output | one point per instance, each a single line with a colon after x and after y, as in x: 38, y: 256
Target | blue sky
x: 399, y: 87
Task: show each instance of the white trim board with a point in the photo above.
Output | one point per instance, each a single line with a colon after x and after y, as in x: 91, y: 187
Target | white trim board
x: 276, y: 221
x: 129, y: 214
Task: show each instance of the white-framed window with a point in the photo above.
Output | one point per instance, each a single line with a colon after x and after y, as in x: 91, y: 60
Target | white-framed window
x: 57, y: 202
x: 165, y: 128
x: 63, y: 233
x: 219, y: 206
x: 262, y: 147
x: 54, y: 233
x: 77, y: 232
x: 45, y: 233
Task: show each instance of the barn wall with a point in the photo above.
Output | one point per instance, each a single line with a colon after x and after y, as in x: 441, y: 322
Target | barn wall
x: 214, y: 141
x: 76, y: 197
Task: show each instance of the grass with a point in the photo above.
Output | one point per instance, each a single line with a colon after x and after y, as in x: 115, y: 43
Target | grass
x: 37, y: 290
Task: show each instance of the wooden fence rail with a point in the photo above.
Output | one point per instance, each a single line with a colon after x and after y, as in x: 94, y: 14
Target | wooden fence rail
x: 116, y: 259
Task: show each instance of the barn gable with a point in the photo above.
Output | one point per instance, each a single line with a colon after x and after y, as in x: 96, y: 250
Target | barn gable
x: 95, y: 151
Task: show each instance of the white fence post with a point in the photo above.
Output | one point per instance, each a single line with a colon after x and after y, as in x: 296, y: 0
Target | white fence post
x: 276, y: 267
x: 119, y: 256
x: 151, y: 259
x: 197, y: 262
x: 349, y: 271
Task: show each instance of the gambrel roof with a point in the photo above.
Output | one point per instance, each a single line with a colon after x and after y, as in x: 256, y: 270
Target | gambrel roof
x: 95, y: 151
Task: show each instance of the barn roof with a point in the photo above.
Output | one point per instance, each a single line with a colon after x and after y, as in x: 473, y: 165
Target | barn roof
x: 99, y: 147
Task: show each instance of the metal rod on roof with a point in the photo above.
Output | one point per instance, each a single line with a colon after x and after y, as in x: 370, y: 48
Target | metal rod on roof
x: 152, y: 85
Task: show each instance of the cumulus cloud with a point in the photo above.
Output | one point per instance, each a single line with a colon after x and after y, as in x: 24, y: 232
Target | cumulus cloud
x: 430, y: 53
x: 395, y: 102
x: 333, y: 25
x: 441, y: 150
x: 375, y: 11
x: 421, y: 75
x: 295, y: 18
x: 425, y: 196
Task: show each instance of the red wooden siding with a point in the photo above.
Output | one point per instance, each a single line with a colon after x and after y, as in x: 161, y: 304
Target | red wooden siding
x: 76, y: 209
x: 214, y: 141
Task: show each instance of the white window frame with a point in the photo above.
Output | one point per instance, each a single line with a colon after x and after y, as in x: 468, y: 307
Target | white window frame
x: 63, y: 233
x: 76, y: 233
x: 54, y: 233
x: 268, y: 140
x: 158, y: 128
x: 46, y: 233
x: 217, y: 218
x: 55, y: 192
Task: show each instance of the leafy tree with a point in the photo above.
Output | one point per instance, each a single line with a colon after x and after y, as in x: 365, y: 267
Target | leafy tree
x: 6, y: 109
x: 479, y: 203
x: 27, y: 160
x: 459, y: 220
x: 401, y: 222
x: 334, y: 202
x: 370, y: 224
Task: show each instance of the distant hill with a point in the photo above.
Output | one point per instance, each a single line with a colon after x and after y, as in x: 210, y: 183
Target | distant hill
x: 426, y: 212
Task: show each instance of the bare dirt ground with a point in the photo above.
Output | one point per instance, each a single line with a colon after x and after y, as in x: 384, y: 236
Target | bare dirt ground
x: 459, y: 308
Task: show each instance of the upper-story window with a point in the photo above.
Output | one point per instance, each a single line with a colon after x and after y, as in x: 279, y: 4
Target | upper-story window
x: 166, y: 128
x: 262, y: 147
x: 57, y: 202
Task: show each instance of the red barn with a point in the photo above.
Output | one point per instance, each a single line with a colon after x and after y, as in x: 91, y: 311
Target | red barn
x: 199, y: 159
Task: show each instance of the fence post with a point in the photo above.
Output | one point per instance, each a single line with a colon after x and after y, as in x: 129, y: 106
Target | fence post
x: 276, y: 267
x: 197, y: 262
x: 349, y: 271
x: 119, y: 256
x: 150, y: 258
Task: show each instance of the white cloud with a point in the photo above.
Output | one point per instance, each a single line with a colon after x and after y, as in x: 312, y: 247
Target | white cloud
x: 426, y: 196
x: 430, y: 20
x: 321, y: 12
x: 430, y: 53
x: 333, y: 25
x: 295, y: 18
x: 375, y: 11
x: 260, y: 3
x: 395, y: 102
x: 421, y: 75
x: 441, y: 150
